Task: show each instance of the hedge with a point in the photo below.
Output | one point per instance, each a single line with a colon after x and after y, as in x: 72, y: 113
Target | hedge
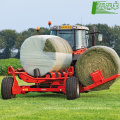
x: 5, y: 63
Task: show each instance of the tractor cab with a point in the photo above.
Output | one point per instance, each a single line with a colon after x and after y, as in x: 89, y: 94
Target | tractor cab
x: 76, y: 35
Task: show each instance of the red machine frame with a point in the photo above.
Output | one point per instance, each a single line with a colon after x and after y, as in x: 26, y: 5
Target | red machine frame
x: 57, y: 83
x: 79, y: 51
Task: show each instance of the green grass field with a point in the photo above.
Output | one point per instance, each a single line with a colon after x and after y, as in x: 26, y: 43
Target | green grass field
x: 102, y: 105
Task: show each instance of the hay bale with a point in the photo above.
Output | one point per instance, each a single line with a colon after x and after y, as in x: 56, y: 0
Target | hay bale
x: 45, y: 52
x: 98, y: 58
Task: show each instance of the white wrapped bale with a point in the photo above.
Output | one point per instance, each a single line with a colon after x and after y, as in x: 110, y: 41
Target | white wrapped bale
x: 98, y: 58
x: 45, y: 52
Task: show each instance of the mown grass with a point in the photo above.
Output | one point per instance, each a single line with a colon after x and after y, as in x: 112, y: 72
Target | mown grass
x: 101, y: 105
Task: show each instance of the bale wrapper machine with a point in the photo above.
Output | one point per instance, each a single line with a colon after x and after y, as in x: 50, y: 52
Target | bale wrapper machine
x: 59, y: 82
x: 64, y: 81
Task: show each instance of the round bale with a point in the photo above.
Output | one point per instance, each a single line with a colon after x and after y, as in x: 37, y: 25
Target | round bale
x: 98, y: 58
x: 45, y: 52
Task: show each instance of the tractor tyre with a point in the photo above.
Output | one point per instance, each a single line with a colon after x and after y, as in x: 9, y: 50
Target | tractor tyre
x: 6, y: 88
x: 72, y: 88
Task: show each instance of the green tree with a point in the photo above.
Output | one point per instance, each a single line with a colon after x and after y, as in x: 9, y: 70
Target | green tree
x: 44, y: 31
x: 7, y: 41
x: 116, y: 30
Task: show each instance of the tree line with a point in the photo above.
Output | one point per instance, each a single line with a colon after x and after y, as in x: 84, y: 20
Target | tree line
x: 11, y: 40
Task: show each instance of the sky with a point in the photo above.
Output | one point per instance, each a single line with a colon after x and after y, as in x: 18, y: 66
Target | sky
x: 20, y: 15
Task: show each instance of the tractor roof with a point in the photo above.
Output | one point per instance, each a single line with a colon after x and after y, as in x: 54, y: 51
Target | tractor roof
x: 69, y: 27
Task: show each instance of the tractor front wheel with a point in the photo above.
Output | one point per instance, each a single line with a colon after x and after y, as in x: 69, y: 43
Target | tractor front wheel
x: 72, y: 88
x: 6, y: 88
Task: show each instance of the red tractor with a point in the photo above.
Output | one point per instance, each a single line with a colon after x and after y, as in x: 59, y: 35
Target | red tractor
x: 65, y: 81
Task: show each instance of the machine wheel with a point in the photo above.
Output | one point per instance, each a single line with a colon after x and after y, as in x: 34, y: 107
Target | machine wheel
x: 6, y: 88
x: 72, y: 88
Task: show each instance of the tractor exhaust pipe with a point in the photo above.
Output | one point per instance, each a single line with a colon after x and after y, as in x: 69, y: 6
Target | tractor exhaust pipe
x: 94, y: 37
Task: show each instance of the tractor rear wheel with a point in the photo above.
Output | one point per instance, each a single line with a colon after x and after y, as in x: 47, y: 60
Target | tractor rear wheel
x: 6, y: 88
x: 72, y: 88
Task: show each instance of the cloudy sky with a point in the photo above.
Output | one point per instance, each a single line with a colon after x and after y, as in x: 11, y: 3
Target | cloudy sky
x: 23, y: 14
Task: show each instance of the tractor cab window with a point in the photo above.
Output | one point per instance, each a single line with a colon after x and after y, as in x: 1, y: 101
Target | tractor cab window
x: 65, y: 34
x: 53, y: 32
x: 80, y: 37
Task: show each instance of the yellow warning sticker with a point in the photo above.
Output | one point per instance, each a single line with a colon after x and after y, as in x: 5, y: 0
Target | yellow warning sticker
x: 66, y: 27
